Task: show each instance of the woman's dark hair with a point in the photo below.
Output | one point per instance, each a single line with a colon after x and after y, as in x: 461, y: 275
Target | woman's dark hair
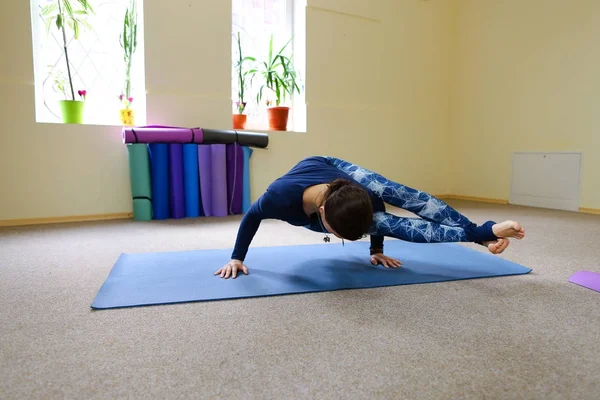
x: 348, y: 209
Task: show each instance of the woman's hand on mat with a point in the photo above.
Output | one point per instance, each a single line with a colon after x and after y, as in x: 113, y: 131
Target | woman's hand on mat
x: 231, y: 269
x: 387, y: 262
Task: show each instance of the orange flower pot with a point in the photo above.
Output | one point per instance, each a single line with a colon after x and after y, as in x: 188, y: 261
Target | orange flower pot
x: 278, y: 118
x: 239, y: 121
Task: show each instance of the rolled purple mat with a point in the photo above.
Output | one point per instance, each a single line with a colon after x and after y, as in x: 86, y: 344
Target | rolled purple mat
x: 162, y: 134
x: 176, y: 191
x: 205, y: 170
x: 219, y: 179
x: 235, y: 178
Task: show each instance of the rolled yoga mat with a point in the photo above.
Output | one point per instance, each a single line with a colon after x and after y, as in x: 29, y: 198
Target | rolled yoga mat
x: 246, y: 200
x: 218, y: 165
x: 191, y: 180
x: 205, y: 172
x: 176, y: 277
x: 158, y: 134
x: 176, y: 185
x: 159, y: 161
x: 139, y: 178
x: 235, y: 178
x: 220, y: 136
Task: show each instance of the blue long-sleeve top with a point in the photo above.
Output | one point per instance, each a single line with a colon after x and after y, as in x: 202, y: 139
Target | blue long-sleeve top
x: 282, y: 200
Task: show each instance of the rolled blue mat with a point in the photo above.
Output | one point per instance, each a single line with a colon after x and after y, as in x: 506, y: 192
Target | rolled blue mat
x: 159, y: 161
x: 205, y: 171
x: 191, y: 180
x: 246, y: 199
x: 176, y: 186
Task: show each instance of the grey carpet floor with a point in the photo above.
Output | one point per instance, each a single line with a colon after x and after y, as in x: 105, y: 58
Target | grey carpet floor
x: 534, y: 336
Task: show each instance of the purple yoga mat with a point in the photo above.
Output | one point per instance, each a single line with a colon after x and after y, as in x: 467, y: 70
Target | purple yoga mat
x: 219, y: 179
x: 176, y: 191
x: 205, y: 170
x: 162, y: 134
x: 235, y: 178
x: 587, y: 279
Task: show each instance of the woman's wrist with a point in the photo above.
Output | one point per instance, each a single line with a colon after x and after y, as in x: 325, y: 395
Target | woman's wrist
x: 376, y: 251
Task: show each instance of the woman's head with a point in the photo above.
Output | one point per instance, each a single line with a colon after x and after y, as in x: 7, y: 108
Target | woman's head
x: 347, y: 210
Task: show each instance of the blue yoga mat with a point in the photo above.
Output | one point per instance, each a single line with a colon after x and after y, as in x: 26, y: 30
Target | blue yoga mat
x: 159, y: 161
x: 246, y: 200
x: 187, y: 276
x: 191, y: 180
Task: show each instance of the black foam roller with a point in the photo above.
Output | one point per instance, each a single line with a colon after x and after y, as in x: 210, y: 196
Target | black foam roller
x: 222, y: 136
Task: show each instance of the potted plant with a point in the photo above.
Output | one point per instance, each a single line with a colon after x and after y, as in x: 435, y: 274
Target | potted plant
x: 128, y: 41
x: 239, y: 119
x: 59, y: 87
x: 280, y: 78
x: 61, y: 14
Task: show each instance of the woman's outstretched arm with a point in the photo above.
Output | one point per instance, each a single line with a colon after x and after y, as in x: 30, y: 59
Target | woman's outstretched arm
x: 263, y: 208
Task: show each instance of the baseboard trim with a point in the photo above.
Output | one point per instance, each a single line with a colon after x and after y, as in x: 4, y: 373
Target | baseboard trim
x: 583, y: 210
x: 595, y: 211
x: 128, y: 215
x: 471, y: 198
x: 59, y: 220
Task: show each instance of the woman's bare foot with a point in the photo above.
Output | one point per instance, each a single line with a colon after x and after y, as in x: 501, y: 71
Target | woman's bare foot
x: 509, y: 229
x: 497, y: 246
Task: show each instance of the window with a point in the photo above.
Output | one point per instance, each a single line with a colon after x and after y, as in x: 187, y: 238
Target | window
x: 96, y: 60
x: 256, y: 22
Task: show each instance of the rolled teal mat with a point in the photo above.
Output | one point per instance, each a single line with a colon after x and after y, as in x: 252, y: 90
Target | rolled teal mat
x: 139, y: 177
x: 142, y: 210
x: 246, y: 203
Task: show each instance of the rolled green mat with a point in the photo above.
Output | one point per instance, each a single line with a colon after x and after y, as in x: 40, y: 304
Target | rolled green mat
x: 139, y: 177
x: 142, y: 210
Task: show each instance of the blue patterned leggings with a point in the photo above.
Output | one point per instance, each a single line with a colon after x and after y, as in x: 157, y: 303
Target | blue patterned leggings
x: 438, y: 221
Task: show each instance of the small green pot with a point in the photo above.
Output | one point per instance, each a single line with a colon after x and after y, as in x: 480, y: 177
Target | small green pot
x: 72, y: 111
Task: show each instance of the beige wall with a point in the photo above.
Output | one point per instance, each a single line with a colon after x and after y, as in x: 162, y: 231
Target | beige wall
x: 526, y: 77
x: 443, y: 91
x: 383, y: 78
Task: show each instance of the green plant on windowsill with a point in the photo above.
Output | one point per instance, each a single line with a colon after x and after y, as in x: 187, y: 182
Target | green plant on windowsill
x: 59, y: 83
x: 62, y: 14
x: 128, y: 42
x: 279, y: 78
x: 242, y: 76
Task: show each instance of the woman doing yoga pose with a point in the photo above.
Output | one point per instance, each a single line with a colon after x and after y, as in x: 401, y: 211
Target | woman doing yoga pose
x: 330, y: 195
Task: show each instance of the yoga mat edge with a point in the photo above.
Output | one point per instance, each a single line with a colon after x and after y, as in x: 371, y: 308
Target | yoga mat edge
x: 587, y: 279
